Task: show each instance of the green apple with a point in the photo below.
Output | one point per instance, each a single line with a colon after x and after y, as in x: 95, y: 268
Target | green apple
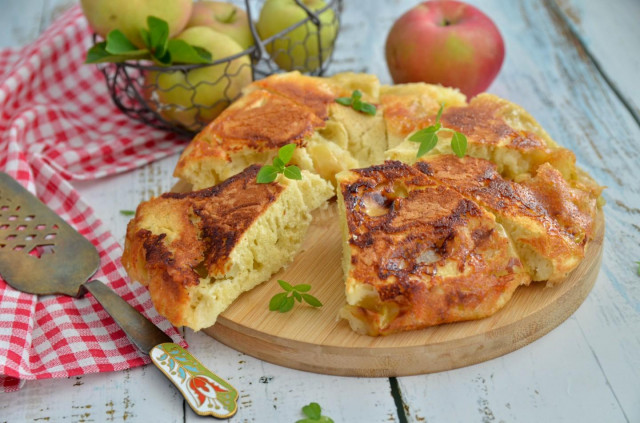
x: 223, y: 17
x: 194, y: 98
x: 129, y: 16
x: 298, y: 49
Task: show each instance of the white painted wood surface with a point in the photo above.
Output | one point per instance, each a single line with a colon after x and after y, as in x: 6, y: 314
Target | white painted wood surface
x: 573, y: 64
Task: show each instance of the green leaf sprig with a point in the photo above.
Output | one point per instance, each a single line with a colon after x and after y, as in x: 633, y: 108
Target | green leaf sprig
x: 357, y: 104
x: 314, y: 414
x: 284, y: 301
x: 268, y: 173
x: 127, y: 212
x: 159, y: 48
x: 428, y: 138
x: 638, y: 263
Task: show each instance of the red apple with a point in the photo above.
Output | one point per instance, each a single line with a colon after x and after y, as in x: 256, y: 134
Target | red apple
x: 445, y: 42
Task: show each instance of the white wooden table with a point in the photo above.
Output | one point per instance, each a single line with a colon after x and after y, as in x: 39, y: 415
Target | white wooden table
x: 575, y: 66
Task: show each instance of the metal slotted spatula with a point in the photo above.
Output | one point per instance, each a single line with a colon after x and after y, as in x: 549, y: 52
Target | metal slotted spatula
x: 41, y: 254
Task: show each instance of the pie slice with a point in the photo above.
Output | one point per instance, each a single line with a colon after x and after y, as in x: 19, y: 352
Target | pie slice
x: 418, y: 253
x: 198, y: 251
x: 497, y: 130
x: 284, y: 109
x: 548, y: 221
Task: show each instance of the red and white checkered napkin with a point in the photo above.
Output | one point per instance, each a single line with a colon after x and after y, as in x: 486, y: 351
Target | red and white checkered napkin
x: 58, y: 123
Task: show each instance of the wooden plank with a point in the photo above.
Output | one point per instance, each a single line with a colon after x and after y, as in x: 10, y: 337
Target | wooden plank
x: 607, y: 29
x: 270, y: 393
x: 22, y: 22
x: 547, y: 71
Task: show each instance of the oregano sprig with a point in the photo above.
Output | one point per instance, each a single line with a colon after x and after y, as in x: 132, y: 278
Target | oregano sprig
x: 268, y: 173
x: 284, y: 301
x: 159, y: 48
x: 428, y: 137
x: 356, y: 103
x: 314, y: 414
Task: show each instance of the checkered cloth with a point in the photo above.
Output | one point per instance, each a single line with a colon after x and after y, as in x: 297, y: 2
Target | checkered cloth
x: 58, y: 123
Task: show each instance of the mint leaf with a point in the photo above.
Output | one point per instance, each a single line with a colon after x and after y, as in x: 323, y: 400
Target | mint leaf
x: 313, y: 411
x: 285, y: 153
x: 285, y: 285
x: 459, y: 144
x: 127, y: 212
x: 118, y: 43
x: 303, y: 287
x: 311, y: 300
x: 297, y: 296
x: 158, y: 36
x: 287, y: 305
x: 367, y: 108
x: 278, y: 164
x: 292, y: 172
x: 357, y: 104
x: 146, y: 38
x: 439, y: 115
x: 427, y: 138
x: 267, y: 174
x: 181, y: 52
x: 277, y: 301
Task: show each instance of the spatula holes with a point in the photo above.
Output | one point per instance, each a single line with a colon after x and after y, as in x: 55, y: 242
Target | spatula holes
x: 30, y: 217
x: 49, y: 237
x: 4, y: 208
x: 12, y: 218
x: 10, y: 237
x: 21, y: 227
x: 40, y: 227
x: 3, y: 227
x: 40, y: 250
x: 18, y: 248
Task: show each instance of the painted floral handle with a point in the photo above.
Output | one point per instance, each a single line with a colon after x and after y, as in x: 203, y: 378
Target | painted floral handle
x: 205, y: 392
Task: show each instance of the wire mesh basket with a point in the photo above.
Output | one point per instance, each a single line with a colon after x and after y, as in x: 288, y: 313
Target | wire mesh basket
x: 184, y: 98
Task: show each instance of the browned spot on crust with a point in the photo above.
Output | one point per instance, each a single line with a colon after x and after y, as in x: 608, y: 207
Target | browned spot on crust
x: 267, y: 121
x: 481, y: 122
x: 302, y: 90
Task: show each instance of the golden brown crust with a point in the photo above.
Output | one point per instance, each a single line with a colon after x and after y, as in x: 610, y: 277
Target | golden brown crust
x: 193, y: 235
x: 533, y: 220
x: 431, y: 254
x: 315, y: 93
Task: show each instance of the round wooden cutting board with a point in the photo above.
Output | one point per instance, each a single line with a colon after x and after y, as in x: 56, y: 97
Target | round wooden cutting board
x: 315, y: 340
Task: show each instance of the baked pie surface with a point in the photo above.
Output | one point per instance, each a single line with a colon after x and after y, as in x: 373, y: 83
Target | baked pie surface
x: 517, y: 187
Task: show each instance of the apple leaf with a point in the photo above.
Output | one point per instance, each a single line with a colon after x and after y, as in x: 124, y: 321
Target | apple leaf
x: 459, y: 144
x: 118, y: 43
x: 292, y: 172
x: 165, y: 52
x: 181, y: 52
x: 158, y: 35
x: 99, y: 54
